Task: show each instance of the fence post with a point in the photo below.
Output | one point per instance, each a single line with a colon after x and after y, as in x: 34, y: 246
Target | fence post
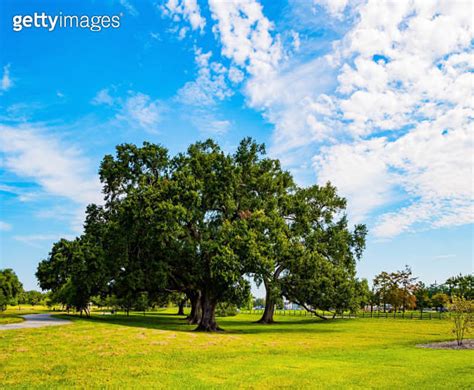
x: 430, y: 316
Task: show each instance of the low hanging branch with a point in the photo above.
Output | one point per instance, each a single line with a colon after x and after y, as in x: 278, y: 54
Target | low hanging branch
x: 307, y: 308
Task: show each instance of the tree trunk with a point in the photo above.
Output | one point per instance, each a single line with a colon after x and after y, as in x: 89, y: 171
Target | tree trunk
x: 208, y: 319
x: 195, y: 316
x: 267, y: 317
x: 181, y: 307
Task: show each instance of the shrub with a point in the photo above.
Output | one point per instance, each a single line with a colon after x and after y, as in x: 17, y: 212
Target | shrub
x: 226, y: 310
x: 461, y: 313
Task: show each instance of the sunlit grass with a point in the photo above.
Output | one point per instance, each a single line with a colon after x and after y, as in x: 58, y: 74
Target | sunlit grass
x: 160, y: 350
x: 13, y: 313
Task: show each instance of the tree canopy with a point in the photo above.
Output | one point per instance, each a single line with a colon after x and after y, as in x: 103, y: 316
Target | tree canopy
x: 200, y: 224
x: 10, y: 288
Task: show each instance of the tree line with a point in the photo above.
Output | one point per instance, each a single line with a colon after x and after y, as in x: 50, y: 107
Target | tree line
x: 202, y: 224
x: 12, y: 292
x: 400, y: 290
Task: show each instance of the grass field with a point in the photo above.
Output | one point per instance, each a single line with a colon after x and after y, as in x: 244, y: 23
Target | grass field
x: 160, y: 350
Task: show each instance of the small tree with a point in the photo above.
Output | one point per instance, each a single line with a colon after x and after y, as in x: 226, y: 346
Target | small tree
x: 439, y: 300
x: 462, y: 311
x: 422, y: 297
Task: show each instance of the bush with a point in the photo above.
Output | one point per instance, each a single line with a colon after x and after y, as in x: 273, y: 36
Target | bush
x: 226, y: 310
x: 461, y: 313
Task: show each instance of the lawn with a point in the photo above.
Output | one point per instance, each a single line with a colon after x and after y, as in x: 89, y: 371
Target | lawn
x: 159, y: 350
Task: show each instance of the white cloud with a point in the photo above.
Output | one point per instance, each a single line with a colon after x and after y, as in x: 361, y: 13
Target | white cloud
x: 139, y: 110
x: 401, y: 72
x: 245, y: 34
x: 41, y: 240
x: 296, y: 43
x: 103, y: 97
x: 235, y: 75
x: 360, y: 174
x: 184, y: 10
x: 208, y: 122
x: 4, y: 227
x: 442, y: 257
x: 210, y: 85
x: 334, y: 7
x: 389, y: 110
x: 6, y: 82
x: 129, y: 7
x: 58, y: 168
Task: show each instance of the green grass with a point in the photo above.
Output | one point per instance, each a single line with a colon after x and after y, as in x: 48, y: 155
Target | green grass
x: 160, y: 350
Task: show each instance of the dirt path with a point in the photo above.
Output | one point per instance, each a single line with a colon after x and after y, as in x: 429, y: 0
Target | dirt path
x: 35, y: 321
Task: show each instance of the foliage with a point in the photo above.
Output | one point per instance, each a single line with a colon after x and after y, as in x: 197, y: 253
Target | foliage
x: 74, y: 272
x: 32, y: 298
x: 396, y: 288
x: 461, y: 286
x: 462, y: 316
x: 225, y: 309
x: 440, y: 300
x: 422, y: 296
x: 199, y: 224
x: 10, y: 288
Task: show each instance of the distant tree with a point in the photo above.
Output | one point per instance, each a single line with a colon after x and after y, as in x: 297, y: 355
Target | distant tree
x: 142, y: 302
x: 396, y: 288
x: 440, y: 300
x: 179, y: 299
x: 461, y: 286
x: 74, y: 272
x: 406, y: 283
x: 259, y: 302
x: 462, y: 315
x: 422, y: 296
x: 382, y: 285
x: 225, y: 309
x: 10, y: 288
x: 363, y: 293
x: 31, y: 297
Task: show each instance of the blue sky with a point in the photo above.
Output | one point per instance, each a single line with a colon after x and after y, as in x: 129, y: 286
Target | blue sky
x: 375, y: 97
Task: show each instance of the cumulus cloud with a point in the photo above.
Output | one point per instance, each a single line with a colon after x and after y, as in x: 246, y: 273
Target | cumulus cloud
x: 245, y: 34
x: 388, y: 110
x: 210, y: 85
x: 184, y: 10
x: 401, y: 74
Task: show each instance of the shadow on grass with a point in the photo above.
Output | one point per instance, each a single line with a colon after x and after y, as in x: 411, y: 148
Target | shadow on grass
x: 230, y: 325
